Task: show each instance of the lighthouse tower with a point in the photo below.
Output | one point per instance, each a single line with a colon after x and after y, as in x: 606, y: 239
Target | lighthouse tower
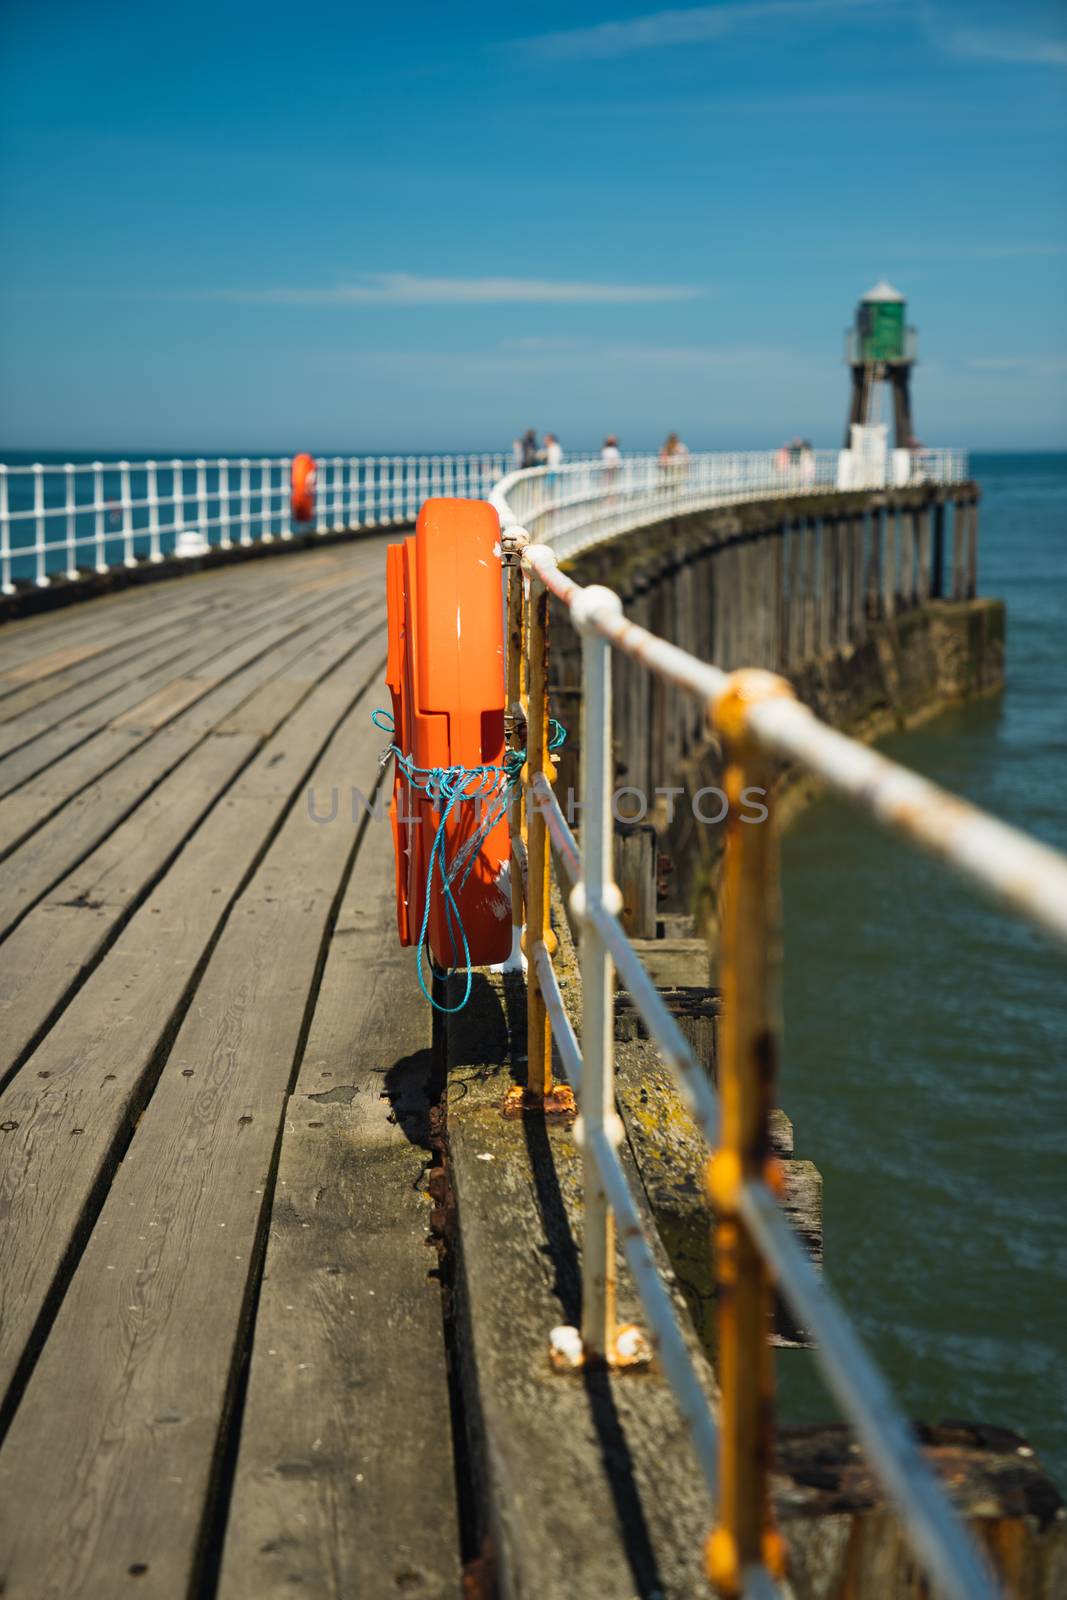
x: 881, y: 350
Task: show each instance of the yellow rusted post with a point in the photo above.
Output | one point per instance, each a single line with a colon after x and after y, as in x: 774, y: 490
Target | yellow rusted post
x: 749, y: 944
x: 538, y: 926
x: 516, y: 688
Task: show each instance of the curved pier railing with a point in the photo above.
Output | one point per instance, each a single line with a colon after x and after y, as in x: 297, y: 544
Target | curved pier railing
x: 758, y: 721
x: 63, y: 519
x: 581, y: 504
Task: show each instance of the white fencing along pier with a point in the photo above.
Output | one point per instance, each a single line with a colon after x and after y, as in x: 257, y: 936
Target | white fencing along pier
x: 67, y: 518
x: 546, y: 516
x: 63, y: 519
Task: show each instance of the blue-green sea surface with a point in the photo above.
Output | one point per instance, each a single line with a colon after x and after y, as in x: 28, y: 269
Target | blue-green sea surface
x: 925, y: 1061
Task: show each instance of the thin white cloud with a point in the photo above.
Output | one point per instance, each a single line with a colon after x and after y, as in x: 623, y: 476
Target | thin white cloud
x: 1014, y: 49
x: 693, y: 25
x: 590, y: 352
x: 410, y: 289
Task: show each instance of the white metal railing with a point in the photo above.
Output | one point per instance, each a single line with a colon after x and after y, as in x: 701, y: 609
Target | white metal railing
x: 581, y: 504
x: 66, y: 518
x: 62, y: 519
x: 757, y: 719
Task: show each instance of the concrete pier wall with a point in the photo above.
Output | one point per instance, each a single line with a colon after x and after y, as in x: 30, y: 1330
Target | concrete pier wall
x: 866, y: 602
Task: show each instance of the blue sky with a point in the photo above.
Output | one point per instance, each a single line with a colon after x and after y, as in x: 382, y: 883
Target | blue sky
x: 264, y: 227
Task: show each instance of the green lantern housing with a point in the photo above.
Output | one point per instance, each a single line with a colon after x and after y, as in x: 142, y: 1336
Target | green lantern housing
x: 881, y: 348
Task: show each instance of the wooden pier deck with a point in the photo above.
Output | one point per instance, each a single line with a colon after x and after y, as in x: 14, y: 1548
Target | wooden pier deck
x: 218, y: 1299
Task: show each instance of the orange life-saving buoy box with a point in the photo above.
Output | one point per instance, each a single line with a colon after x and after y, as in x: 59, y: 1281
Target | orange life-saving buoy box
x: 302, y: 487
x: 446, y: 677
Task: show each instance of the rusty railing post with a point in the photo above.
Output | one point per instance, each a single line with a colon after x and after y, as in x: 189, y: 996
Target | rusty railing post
x: 598, y: 891
x: 748, y: 975
x: 513, y: 544
x: 538, y: 919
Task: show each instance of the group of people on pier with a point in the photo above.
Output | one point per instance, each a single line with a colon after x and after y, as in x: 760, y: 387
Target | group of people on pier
x: 527, y: 452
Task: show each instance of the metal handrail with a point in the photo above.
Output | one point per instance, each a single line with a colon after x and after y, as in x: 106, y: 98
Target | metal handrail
x: 58, y: 520
x: 757, y: 719
x: 581, y: 504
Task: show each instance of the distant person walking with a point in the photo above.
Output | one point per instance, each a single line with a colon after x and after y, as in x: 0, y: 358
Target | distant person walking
x: 674, y: 453
x: 529, y: 448
x: 517, y: 454
x: 673, y: 459
x: 610, y: 456
x: 552, y: 452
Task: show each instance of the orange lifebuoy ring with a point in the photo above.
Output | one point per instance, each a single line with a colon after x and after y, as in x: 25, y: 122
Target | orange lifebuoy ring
x: 446, y: 676
x: 302, y: 488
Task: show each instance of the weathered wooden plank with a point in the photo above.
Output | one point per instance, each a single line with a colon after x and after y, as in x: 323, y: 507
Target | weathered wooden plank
x: 635, y: 873
x: 50, y: 951
x: 53, y: 661
x: 79, y: 686
x: 59, y: 756
x: 146, y: 615
x: 344, y: 1481
x: 60, y: 763
x: 148, y: 1343
x: 93, y: 1069
x: 107, y: 619
x: 70, y: 831
x: 589, y: 1485
x: 53, y: 947
x: 159, y: 708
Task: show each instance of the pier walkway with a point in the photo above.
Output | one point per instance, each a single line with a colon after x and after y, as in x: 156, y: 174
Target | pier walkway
x: 212, y: 1049
x: 267, y: 1325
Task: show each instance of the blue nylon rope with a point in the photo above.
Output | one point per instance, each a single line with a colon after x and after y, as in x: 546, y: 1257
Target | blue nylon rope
x: 446, y: 788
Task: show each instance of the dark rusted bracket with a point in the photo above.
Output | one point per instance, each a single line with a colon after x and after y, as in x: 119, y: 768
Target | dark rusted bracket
x: 556, y: 1106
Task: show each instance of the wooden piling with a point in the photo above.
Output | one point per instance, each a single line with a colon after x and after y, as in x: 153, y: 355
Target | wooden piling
x: 889, y: 562
x: 937, y: 573
x: 924, y: 562
x: 859, y: 580
x: 971, y: 586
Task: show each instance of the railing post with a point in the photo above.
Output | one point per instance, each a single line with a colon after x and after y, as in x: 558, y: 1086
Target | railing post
x: 126, y: 505
x: 6, y: 585
x: 201, y: 500
x: 177, y: 492
x: 749, y: 943
x: 285, y: 502
x: 513, y: 544
x: 98, y: 517
x: 246, y: 500
x: 538, y: 920
x: 71, y: 501
x: 225, y: 542
x: 322, y: 467
x: 598, y: 889
x: 266, y: 519
x: 39, y: 526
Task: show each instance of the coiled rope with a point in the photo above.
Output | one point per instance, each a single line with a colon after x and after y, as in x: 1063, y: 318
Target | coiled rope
x: 446, y: 788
